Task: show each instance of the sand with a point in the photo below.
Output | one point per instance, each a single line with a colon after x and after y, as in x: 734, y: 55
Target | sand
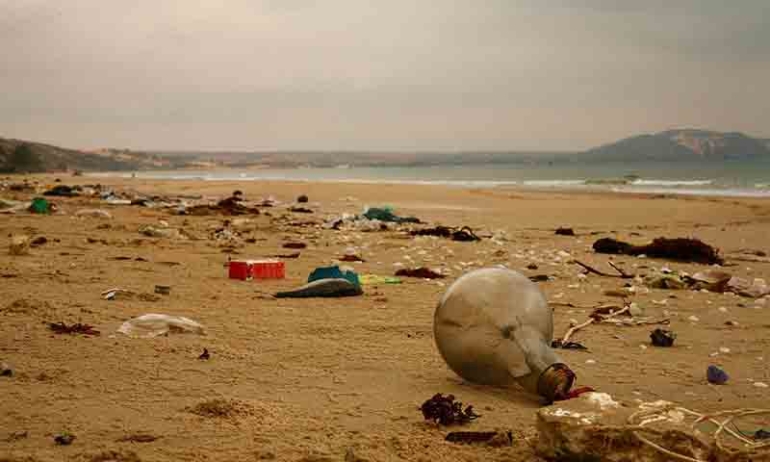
x: 341, y: 379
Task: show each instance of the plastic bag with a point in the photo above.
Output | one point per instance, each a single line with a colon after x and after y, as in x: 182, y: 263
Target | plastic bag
x: 154, y: 325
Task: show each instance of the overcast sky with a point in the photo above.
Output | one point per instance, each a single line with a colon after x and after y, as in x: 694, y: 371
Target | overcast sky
x: 379, y: 75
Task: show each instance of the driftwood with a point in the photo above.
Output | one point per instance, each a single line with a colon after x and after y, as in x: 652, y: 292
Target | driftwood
x: 596, y: 316
x: 622, y: 275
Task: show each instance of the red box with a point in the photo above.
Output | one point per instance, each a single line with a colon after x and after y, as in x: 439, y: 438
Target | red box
x: 268, y: 269
x: 257, y: 269
x: 240, y: 269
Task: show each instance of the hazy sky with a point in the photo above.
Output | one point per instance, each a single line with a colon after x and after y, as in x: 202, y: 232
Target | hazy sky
x: 381, y: 75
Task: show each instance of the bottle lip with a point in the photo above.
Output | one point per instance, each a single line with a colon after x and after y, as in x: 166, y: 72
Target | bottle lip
x: 555, y: 382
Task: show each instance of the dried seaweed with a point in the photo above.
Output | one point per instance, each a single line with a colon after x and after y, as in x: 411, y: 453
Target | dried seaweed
x: 422, y: 272
x: 679, y: 249
x: 489, y: 438
x: 444, y: 410
x: 77, y: 328
x: 464, y: 234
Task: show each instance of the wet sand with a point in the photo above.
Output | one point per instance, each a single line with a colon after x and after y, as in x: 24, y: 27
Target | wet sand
x: 341, y: 379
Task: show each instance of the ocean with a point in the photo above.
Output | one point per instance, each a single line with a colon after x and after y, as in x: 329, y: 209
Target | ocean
x: 736, y: 179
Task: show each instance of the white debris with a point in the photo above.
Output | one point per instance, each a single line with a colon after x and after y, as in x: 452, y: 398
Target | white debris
x: 602, y: 400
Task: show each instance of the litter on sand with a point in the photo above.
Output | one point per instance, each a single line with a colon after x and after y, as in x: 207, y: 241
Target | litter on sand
x: 154, y: 325
x: 422, y: 272
x: 328, y: 288
x: 444, y: 410
x: 464, y: 234
x: 680, y: 249
x: 374, y: 279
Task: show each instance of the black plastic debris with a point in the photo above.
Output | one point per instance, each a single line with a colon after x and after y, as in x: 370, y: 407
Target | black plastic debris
x: 64, y: 439
x: 558, y: 343
x: 662, y: 338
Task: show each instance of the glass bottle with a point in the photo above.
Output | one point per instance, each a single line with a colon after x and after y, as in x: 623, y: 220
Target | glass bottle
x: 493, y: 326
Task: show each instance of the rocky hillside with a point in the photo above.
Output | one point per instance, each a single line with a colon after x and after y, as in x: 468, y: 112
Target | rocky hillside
x: 682, y: 145
x: 18, y: 156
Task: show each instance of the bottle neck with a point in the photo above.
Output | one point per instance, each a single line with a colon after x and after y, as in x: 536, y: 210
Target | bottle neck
x: 548, y: 376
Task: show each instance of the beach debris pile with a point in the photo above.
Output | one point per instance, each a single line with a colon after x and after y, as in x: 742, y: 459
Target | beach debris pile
x: 444, y: 410
x: 712, y: 280
x: 596, y: 427
x: 462, y: 234
x: 231, y: 206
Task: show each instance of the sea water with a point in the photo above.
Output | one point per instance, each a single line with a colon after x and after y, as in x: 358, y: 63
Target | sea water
x: 733, y: 178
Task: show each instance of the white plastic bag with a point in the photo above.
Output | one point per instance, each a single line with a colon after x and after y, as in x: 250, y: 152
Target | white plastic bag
x: 154, y: 325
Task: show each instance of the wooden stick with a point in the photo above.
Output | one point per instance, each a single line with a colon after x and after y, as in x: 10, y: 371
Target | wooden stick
x: 574, y: 329
x: 623, y: 274
x: 590, y: 321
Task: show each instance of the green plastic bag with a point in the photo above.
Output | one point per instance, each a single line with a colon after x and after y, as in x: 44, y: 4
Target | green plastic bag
x: 40, y: 205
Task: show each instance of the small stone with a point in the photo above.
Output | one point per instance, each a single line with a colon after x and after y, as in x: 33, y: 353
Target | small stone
x: 591, y: 361
x: 722, y: 309
x: 635, y: 310
x: 693, y: 319
x: 5, y: 370
x: 761, y: 385
x: 724, y: 350
x: 64, y: 439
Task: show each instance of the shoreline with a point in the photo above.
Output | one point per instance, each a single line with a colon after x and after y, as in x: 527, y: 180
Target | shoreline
x: 684, y: 188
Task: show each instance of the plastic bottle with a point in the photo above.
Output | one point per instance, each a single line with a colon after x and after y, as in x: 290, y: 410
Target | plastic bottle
x: 493, y: 326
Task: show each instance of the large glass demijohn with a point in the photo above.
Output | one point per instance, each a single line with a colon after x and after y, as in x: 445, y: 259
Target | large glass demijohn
x: 493, y: 326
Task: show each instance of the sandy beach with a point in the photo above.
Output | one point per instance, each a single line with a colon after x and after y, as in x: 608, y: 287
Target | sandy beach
x: 342, y: 378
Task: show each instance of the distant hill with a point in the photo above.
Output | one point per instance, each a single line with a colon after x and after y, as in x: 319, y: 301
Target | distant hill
x: 18, y: 156
x: 682, y: 145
